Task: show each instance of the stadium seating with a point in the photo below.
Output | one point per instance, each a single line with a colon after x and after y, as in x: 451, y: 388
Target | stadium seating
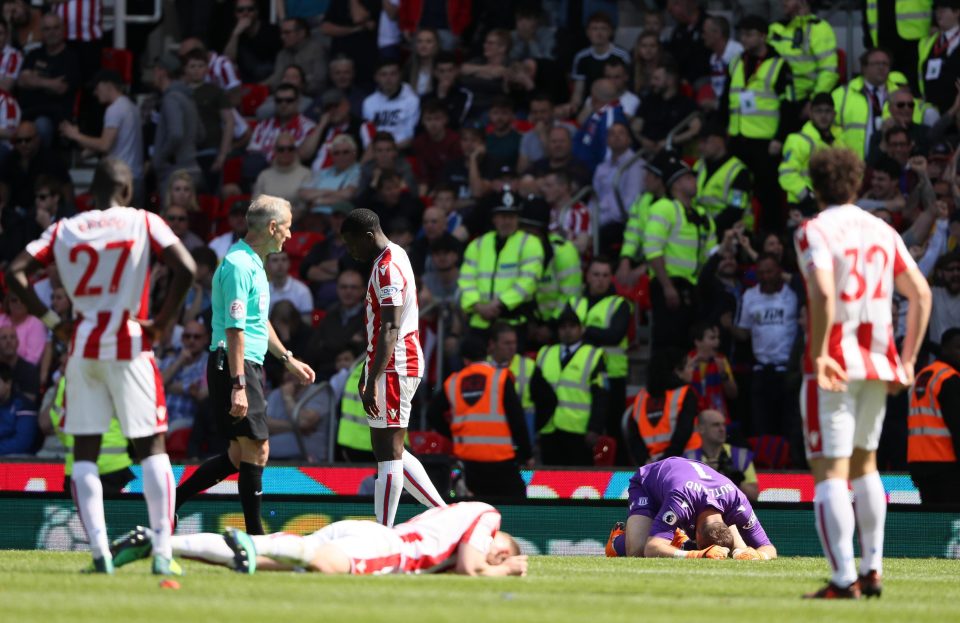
x: 120, y: 61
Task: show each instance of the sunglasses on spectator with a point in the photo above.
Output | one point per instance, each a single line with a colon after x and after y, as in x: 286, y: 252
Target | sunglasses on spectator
x: 285, y: 100
x: 284, y: 148
x: 23, y: 140
x: 904, y: 104
x: 177, y: 218
x: 191, y: 336
x: 44, y: 196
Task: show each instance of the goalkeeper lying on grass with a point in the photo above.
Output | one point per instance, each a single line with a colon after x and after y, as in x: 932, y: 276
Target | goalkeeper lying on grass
x: 675, y: 497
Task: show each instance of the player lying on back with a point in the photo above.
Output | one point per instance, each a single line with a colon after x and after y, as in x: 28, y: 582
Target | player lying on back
x: 677, y: 496
x: 462, y: 538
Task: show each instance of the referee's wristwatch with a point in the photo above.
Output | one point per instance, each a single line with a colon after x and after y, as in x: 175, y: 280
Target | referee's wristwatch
x: 287, y: 356
x: 239, y: 381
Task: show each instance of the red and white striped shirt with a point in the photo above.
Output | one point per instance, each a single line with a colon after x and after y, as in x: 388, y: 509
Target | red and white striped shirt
x: 81, y: 19
x: 103, y: 259
x: 221, y: 72
x: 392, y: 283
x: 11, y: 62
x: 324, y: 158
x: 865, y: 255
x: 575, y: 222
x: 266, y: 132
x: 9, y: 112
x: 432, y: 539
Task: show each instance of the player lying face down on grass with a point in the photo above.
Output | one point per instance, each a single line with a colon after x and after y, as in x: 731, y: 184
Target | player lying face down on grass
x: 675, y: 497
x: 462, y: 538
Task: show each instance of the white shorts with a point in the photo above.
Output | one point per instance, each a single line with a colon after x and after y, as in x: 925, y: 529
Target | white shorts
x: 834, y: 423
x: 131, y: 390
x: 373, y: 549
x: 394, y: 397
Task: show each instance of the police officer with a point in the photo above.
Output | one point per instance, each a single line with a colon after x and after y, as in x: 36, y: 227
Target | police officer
x: 933, y: 425
x: 677, y: 241
x: 571, y: 389
x: 724, y: 185
x: 631, y: 253
x: 809, y: 44
x: 486, y: 424
x: 663, y: 416
x: 501, y: 270
x: 760, y: 109
x: 939, y: 57
x: 353, y: 434
x: 897, y: 27
x: 562, y: 277
x: 242, y: 335
x: 816, y: 134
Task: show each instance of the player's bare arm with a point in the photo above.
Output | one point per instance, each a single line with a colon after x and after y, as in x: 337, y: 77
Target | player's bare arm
x: 299, y: 369
x: 471, y: 561
x: 18, y: 280
x: 389, y: 332
x: 183, y: 268
x: 912, y: 285
x: 822, y: 302
x: 238, y: 395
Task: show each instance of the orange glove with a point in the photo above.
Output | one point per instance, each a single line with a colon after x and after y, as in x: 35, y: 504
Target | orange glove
x: 679, y: 538
x: 747, y: 553
x: 714, y: 551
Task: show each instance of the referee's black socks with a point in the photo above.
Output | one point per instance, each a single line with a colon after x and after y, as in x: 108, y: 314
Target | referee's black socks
x: 210, y: 472
x: 250, y: 487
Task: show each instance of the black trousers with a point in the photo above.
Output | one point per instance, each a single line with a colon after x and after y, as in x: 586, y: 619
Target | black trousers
x: 563, y: 448
x: 495, y: 479
x: 671, y: 327
x: 113, y: 482
x: 755, y: 154
x: 770, y: 410
x: 939, y: 488
x: 352, y: 455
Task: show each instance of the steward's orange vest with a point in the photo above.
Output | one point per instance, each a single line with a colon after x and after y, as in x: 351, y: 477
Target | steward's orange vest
x: 480, y: 430
x: 657, y: 437
x: 930, y: 440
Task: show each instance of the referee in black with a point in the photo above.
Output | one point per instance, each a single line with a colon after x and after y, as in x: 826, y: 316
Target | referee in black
x: 242, y: 336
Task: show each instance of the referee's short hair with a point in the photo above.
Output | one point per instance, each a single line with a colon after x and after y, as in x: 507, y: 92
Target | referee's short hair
x: 263, y: 209
x: 361, y: 221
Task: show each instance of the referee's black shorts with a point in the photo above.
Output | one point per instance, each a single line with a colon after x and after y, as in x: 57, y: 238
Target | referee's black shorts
x: 254, y: 426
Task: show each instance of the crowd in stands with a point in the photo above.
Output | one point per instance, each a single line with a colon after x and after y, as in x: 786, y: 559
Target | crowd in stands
x: 617, y: 217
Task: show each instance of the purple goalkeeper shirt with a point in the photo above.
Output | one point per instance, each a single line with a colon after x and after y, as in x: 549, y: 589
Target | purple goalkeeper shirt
x: 674, y: 491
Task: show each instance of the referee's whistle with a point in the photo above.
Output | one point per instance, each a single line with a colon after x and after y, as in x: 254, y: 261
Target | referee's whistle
x: 221, y: 354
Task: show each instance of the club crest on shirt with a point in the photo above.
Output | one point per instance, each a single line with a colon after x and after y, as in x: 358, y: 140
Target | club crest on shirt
x: 237, y: 309
x: 383, y: 269
x: 670, y: 518
x: 753, y: 521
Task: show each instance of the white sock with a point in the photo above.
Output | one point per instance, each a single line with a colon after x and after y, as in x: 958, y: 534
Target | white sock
x: 160, y: 492
x: 834, y: 518
x: 870, y: 507
x: 387, y: 491
x: 417, y: 483
x: 283, y: 547
x: 204, y: 546
x: 88, y: 495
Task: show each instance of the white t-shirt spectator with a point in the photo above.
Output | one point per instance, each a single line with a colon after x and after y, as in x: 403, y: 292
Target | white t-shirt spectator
x: 772, y: 322
x: 628, y: 101
x: 397, y: 115
x: 294, y: 291
x: 123, y: 115
x: 945, y: 313
x: 388, y: 31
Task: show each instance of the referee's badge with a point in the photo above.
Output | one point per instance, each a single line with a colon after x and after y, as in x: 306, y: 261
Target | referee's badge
x: 237, y: 309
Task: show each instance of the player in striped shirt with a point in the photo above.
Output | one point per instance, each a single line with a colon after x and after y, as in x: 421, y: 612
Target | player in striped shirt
x: 9, y: 116
x: 103, y: 259
x: 852, y: 261
x: 395, y: 362
x: 462, y: 538
x: 11, y: 60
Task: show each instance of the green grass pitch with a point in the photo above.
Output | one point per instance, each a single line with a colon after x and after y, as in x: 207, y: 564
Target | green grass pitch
x: 46, y: 587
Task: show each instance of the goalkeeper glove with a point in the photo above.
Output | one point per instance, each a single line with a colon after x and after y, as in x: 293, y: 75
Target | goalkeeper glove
x: 748, y: 553
x: 714, y: 551
x: 679, y: 538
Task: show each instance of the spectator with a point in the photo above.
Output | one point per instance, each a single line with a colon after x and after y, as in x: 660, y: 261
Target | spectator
x: 439, y: 278
x: 325, y: 260
x: 292, y: 332
x: 614, y: 70
x: 122, y: 136
x: 216, y: 117
x: 434, y: 227
x: 391, y: 200
x: 630, y: 184
x: 436, y: 146
x: 58, y: 343
x: 939, y: 62
x: 184, y: 376
x: 333, y: 184
x: 531, y: 38
x: 18, y: 418
x: 588, y: 64
x: 292, y: 74
x: 723, y: 49
x: 178, y: 129
x: 342, y: 326
x: 711, y: 375
x: 389, y: 36
x: 809, y: 44
x: 533, y: 143
x: 859, y: 103
x: 48, y: 204
x: 352, y: 28
x: 902, y: 108
x: 285, y: 287
x: 220, y: 69
x: 818, y: 133
x: 25, y: 22
x: 393, y: 107
x: 49, y: 80
x: 590, y: 142
x: 11, y: 59
x: 254, y: 44
x: 336, y: 118
x: 302, y: 50
x: 310, y: 427
x: 562, y: 278
x: 197, y: 303
x: 456, y: 98
x: 946, y: 297
x: 343, y: 78
x: 768, y: 319
x: 449, y: 18
x: 724, y: 184
x: 572, y: 398
x: 180, y: 191
x: 647, y: 55
x: 82, y: 27
x: 178, y: 218
x: 732, y: 461
x: 663, y: 109
x: 883, y: 191
x: 26, y: 376
x: 287, y: 120
x: 485, y: 76
x: 386, y: 157
x: 560, y: 157
x: 418, y: 71
x: 568, y: 218
x: 663, y: 415
x: 237, y: 219
x: 686, y: 43
x: 503, y: 141
x: 31, y: 333
x: 285, y: 176
x: 444, y: 197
